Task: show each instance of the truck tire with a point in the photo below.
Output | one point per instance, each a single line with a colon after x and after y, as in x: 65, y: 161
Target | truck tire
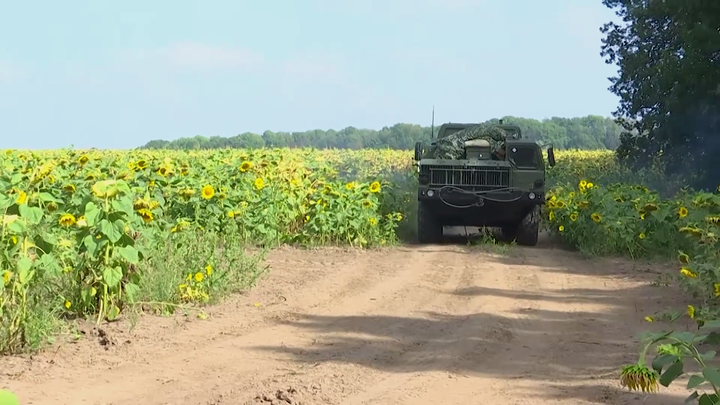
x: 428, y: 228
x: 529, y: 228
x: 509, y: 233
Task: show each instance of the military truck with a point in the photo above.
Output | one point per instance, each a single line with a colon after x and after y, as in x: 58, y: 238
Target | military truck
x: 481, y: 187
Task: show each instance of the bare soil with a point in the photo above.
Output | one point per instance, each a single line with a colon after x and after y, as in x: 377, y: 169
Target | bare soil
x: 444, y: 324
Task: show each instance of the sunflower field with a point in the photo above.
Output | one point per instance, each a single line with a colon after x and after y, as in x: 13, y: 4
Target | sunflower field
x: 101, y: 233
x: 84, y: 233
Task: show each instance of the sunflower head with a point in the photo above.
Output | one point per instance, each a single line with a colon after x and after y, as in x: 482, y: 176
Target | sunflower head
x: 207, y: 192
x: 639, y: 378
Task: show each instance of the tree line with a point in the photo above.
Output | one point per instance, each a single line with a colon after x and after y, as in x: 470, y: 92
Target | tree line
x: 590, y: 132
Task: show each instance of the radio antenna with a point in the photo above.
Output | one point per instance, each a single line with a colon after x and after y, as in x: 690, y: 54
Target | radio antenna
x: 432, y: 124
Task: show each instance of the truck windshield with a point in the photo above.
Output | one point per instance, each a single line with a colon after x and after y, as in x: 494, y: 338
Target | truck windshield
x: 524, y: 157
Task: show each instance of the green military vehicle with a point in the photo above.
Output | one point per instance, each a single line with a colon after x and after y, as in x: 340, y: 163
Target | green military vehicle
x: 483, y: 175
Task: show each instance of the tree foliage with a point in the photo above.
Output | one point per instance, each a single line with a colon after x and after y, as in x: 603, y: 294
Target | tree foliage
x: 668, y: 54
x: 591, y: 132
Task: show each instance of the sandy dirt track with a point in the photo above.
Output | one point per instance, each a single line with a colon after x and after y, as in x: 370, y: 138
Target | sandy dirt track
x: 444, y: 324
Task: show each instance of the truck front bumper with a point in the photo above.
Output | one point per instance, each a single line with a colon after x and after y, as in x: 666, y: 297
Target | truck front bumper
x: 454, y: 207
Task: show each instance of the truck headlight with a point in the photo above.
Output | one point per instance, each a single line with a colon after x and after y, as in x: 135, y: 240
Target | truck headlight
x: 531, y: 195
x: 430, y: 193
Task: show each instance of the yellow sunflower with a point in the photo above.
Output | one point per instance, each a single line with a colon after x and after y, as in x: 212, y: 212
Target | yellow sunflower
x: 145, y: 214
x: 650, y: 207
x: 691, y: 230
x: 21, y: 198
x: 638, y: 377
x: 186, y: 192
x: 208, y: 192
x: 140, y: 204
x: 67, y: 220
x: 245, y: 166
x: 7, y: 276
x: 688, y: 273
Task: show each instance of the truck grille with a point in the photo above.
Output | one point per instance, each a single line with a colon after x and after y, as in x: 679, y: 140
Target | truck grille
x: 467, y: 177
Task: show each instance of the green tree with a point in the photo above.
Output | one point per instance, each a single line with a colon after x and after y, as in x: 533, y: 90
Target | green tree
x: 668, y: 54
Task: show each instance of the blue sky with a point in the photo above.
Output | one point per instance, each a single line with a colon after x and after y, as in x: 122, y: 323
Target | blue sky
x: 118, y: 74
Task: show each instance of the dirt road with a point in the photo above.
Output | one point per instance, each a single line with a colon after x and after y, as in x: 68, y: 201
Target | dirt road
x: 444, y: 324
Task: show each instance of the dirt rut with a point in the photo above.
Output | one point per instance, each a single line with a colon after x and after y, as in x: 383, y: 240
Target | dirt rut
x: 445, y: 324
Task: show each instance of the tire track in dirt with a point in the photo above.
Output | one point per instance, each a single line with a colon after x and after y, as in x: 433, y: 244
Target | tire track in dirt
x: 467, y: 338
x: 544, y: 359
x: 383, y: 342
x: 420, y: 325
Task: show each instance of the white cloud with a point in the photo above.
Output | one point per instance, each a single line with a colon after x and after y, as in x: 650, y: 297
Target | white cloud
x: 182, y: 57
x: 194, y: 56
x: 11, y: 72
x: 313, y: 66
x: 203, y: 56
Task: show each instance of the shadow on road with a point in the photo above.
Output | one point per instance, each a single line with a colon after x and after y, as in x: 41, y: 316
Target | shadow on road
x: 463, y: 236
x: 603, y: 394
x: 548, y: 255
x: 587, y: 333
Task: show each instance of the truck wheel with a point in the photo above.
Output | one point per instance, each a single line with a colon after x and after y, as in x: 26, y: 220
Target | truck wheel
x: 428, y: 228
x: 527, y: 232
x: 509, y: 233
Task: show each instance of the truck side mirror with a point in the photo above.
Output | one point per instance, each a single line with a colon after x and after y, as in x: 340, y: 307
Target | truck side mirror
x: 418, y: 150
x: 551, y: 156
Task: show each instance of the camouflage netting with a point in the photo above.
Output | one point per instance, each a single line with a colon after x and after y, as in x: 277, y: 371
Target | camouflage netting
x: 453, y: 146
